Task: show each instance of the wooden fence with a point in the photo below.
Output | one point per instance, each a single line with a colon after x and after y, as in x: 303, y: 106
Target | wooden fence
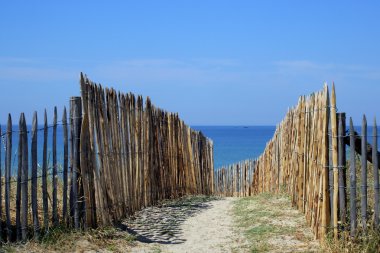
x: 235, y: 180
x: 307, y: 159
x: 117, y: 156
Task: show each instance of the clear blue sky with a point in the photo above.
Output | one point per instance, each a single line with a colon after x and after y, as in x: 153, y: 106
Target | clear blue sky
x: 214, y: 62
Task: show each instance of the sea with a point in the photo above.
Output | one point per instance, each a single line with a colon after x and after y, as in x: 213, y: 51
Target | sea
x: 231, y: 143
x: 236, y: 143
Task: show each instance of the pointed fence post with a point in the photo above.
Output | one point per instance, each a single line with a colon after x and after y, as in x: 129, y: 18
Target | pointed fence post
x: 44, y: 176
x: 375, y: 161
x: 65, y: 166
x: 76, y: 109
x: 352, y: 182
x: 18, y: 190
x: 36, y: 226
x: 55, y: 202
x: 364, y: 174
x: 334, y: 134
x: 342, y: 167
x: 24, y: 179
x: 1, y: 193
x: 8, y: 165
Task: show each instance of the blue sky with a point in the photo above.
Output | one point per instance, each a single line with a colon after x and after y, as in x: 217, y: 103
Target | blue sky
x: 214, y: 62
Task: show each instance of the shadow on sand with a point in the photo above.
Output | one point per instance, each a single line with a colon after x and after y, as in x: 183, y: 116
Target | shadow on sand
x: 162, y: 223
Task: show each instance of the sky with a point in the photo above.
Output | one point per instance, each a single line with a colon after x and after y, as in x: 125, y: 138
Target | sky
x: 214, y: 62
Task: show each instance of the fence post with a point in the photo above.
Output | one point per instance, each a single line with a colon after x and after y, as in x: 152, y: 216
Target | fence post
x: 352, y: 181
x: 65, y: 165
x: 34, y: 176
x: 55, y: 202
x: 1, y: 193
x: 44, y: 176
x: 364, y: 174
x: 326, y: 161
x: 342, y: 167
x: 334, y: 134
x: 24, y: 179
x: 375, y: 162
x: 76, y: 109
x: 8, y: 165
x: 18, y: 190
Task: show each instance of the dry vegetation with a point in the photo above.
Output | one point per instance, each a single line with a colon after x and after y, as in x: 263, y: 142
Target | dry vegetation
x: 363, y: 242
x: 13, y: 189
x: 270, y: 224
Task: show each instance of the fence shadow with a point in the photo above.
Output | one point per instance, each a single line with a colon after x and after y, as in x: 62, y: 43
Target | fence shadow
x: 162, y: 224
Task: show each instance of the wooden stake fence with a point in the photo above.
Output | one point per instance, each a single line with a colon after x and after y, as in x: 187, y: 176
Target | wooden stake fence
x: 298, y: 160
x: 136, y: 155
x: 117, y: 156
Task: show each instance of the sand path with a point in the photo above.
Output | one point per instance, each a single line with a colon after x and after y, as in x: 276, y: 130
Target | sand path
x: 208, y: 228
x: 209, y: 231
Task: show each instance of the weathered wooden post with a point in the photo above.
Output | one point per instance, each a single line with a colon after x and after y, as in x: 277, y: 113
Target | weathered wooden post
x: 36, y: 226
x: 65, y: 166
x: 8, y: 165
x: 44, y: 176
x: 342, y: 166
x: 1, y: 193
x: 76, y: 109
x: 18, y: 190
x: 24, y: 179
x: 375, y: 161
x: 352, y: 182
x: 55, y: 202
x: 334, y: 134
x: 364, y: 174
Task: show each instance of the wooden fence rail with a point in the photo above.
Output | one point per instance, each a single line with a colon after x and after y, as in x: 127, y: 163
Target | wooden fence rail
x: 307, y: 158
x: 117, y: 156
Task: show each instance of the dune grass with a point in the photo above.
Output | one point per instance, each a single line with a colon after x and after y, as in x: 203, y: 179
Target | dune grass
x: 270, y: 224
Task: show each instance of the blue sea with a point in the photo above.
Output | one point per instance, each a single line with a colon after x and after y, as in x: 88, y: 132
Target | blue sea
x: 236, y: 143
x: 231, y: 143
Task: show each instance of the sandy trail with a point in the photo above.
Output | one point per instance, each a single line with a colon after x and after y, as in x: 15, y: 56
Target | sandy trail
x: 210, y: 229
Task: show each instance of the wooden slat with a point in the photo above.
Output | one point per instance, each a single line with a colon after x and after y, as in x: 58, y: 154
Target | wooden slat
x: 353, y: 210
x: 334, y: 133
x: 65, y: 166
x: 24, y: 178
x: 1, y: 191
x: 19, y: 172
x: 375, y: 175
x: 76, y: 108
x: 342, y: 167
x: 8, y: 166
x: 55, y: 167
x: 364, y: 175
x: 44, y: 175
x: 36, y: 226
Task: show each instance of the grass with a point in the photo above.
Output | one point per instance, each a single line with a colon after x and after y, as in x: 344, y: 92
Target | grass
x: 62, y: 239
x: 363, y: 242
x: 271, y: 225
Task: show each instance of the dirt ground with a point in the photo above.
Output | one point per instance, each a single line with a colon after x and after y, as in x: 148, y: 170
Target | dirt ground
x: 209, y: 229
x: 194, y: 224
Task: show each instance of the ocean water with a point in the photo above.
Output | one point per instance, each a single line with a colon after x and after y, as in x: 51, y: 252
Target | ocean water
x: 40, y: 138
x: 236, y: 143
x: 231, y: 143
